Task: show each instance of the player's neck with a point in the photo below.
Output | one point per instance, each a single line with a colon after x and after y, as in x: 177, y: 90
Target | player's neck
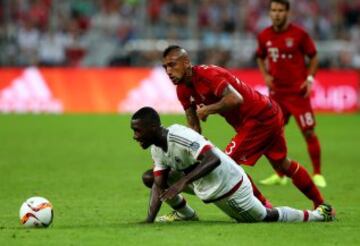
x: 161, y: 140
x: 281, y: 28
x: 188, y: 76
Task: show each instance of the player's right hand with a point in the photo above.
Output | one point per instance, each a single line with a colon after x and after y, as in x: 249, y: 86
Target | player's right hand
x: 202, y: 112
x: 307, y: 85
x: 173, y: 190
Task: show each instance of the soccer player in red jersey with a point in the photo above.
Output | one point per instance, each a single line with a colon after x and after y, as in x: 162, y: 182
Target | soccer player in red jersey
x: 258, y: 121
x: 285, y: 46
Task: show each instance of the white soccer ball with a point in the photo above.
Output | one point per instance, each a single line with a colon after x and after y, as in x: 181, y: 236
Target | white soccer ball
x: 36, y: 212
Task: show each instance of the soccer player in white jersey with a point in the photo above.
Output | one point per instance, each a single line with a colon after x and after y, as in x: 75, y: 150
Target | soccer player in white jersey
x: 215, y: 177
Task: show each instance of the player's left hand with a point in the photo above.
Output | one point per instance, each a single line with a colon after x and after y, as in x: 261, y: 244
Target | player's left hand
x: 202, y: 112
x: 307, y: 85
x: 173, y: 190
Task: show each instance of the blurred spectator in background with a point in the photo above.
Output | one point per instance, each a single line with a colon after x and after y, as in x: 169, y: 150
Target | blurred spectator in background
x: 110, y: 32
x: 102, y: 35
x: 28, y: 40
x: 75, y: 45
x: 51, y: 50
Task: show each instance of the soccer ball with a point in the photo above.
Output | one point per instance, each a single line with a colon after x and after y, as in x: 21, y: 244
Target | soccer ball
x: 36, y: 212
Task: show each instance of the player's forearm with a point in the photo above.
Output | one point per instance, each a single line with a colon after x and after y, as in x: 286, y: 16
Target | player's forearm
x: 226, y: 103
x: 313, y: 65
x: 261, y: 65
x: 193, y: 120
x: 209, y: 162
x: 154, y: 203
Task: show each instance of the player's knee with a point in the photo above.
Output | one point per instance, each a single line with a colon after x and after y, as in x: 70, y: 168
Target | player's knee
x: 272, y: 215
x: 148, y: 178
x: 309, y: 133
x: 280, y: 165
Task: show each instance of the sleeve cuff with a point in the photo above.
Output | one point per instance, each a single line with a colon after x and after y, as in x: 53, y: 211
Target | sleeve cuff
x: 219, y: 90
x: 158, y: 173
x: 205, y: 149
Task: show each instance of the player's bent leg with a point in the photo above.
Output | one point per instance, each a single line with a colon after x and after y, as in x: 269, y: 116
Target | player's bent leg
x: 242, y: 205
x: 182, y: 211
x: 314, y: 149
x: 239, y: 147
x: 258, y: 194
x: 272, y: 215
x: 148, y: 178
x: 300, y: 178
x: 287, y: 214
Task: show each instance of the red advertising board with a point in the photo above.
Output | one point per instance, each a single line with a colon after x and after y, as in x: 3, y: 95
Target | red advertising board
x: 333, y: 91
x: 111, y: 90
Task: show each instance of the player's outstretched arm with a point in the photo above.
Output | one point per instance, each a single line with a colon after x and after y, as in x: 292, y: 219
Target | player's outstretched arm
x: 158, y: 187
x: 209, y: 161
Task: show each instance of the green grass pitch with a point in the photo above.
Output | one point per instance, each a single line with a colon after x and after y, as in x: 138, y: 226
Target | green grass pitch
x: 89, y: 167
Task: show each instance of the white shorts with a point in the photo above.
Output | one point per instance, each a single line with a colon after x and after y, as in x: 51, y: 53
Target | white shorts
x: 242, y: 205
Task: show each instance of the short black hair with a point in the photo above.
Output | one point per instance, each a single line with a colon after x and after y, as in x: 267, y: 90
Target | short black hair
x: 283, y: 2
x: 147, y: 114
x: 170, y: 48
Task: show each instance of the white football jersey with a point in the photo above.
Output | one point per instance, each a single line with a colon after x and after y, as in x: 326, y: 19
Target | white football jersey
x: 184, y: 147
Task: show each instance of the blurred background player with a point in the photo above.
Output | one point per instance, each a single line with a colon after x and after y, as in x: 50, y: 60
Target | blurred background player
x: 285, y: 46
x: 215, y: 177
x: 258, y: 121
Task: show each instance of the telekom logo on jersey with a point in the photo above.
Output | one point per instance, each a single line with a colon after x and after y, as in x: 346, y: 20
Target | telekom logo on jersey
x: 274, y: 54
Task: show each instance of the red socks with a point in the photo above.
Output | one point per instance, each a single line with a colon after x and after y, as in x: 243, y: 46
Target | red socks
x: 279, y: 173
x: 302, y: 180
x: 257, y: 193
x: 314, y: 150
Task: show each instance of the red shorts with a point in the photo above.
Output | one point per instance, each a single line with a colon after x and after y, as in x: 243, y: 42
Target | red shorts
x: 256, y: 138
x: 299, y: 107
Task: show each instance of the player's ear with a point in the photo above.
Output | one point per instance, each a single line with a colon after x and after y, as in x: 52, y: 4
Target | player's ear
x: 154, y: 126
x: 186, y: 61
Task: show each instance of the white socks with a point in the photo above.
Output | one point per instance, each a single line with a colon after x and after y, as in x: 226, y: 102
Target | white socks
x: 179, y: 204
x: 287, y: 214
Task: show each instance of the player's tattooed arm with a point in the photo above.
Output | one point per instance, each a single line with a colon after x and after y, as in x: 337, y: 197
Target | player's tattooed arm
x: 192, y: 119
x: 231, y: 98
x: 160, y: 184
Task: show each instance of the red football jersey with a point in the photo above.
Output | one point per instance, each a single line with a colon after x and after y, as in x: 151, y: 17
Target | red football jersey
x: 285, y: 52
x: 208, y: 83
